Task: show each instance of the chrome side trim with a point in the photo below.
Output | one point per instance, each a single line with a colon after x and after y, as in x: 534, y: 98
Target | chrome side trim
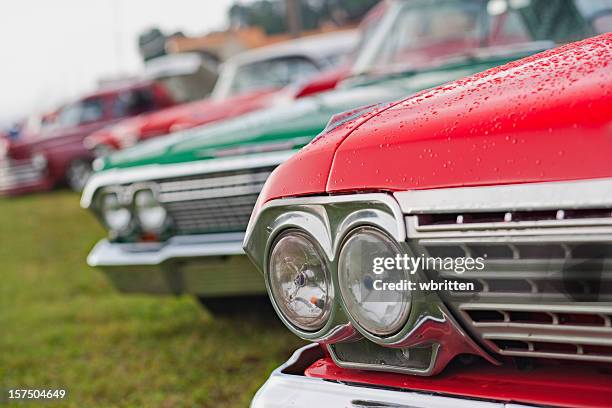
x: 283, y: 390
x: 592, y: 193
x: 106, y: 253
x: 162, y: 171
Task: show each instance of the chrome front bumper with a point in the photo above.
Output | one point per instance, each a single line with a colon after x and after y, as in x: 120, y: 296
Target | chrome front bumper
x: 298, y: 391
x: 205, y: 265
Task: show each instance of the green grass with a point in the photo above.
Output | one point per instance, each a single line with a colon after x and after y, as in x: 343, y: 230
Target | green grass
x: 63, y: 326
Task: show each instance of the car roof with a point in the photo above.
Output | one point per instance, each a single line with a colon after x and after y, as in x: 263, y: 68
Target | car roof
x: 314, y: 47
x: 184, y: 63
x: 114, y: 88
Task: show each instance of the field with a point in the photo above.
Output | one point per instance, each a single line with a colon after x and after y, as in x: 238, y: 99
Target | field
x: 63, y: 326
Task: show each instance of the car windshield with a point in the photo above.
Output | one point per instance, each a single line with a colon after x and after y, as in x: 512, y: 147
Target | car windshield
x: 271, y: 73
x: 188, y: 87
x: 86, y: 111
x: 133, y: 102
x: 426, y: 33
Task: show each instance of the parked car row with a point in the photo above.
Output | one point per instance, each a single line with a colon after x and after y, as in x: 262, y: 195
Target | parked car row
x: 56, y: 155
x: 509, y: 164
x: 176, y: 209
x: 169, y: 98
x: 457, y: 129
x: 250, y: 81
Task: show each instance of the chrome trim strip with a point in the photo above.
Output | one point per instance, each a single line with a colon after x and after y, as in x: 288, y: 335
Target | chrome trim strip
x: 589, y: 308
x: 218, y: 192
x: 106, y: 253
x: 592, y: 193
x: 168, y: 187
x: 283, y: 390
x: 513, y: 225
x: 530, y: 336
x: 557, y: 356
x: 163, y: 171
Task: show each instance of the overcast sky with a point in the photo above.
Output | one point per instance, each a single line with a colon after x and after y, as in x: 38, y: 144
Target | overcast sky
x: 52, y: 50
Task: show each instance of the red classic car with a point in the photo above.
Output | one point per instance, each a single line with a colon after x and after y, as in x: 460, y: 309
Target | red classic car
x: 42, y: 157
x: 250, y: 81
x: 509, y: 168
x: 55, y: 155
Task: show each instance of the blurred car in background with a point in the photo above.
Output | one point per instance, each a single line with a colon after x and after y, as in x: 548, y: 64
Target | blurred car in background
x: 509, y: 168
x: 43, y: 157
x: 176, y: 208
x: 250, y: 81
x: 55, y: 155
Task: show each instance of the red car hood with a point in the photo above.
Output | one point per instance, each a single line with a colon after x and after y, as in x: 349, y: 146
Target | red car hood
x: 543, y: 118
x: 207, y: 110
x: 130, y: 131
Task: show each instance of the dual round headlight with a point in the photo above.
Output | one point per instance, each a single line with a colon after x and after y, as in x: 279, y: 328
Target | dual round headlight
x: 301, y: 286
x: 144, y: 208
x: 300, y: 281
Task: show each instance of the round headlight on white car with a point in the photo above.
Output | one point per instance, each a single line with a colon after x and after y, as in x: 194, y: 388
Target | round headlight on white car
x: 379, y: 312
x: 150, y: 213
x: 300, y: 281
x: 116, y: 216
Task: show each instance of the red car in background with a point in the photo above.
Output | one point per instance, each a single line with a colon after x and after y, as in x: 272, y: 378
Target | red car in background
x: 250, y: 81
x: 43, y: 157
x: 56, y: 155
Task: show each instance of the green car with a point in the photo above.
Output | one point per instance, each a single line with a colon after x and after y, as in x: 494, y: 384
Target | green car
x: 176, y: 208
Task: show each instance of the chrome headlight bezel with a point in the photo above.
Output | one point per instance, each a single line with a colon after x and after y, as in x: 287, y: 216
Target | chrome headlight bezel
x: 320, y: 323
x: 328, y: 220
x: 430, y: 337
x: 127, y: 197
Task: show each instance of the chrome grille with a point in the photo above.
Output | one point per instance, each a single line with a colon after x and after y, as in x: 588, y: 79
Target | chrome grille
x: 546, y: 289
x: 17, y: 173
x: 216, y: 202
